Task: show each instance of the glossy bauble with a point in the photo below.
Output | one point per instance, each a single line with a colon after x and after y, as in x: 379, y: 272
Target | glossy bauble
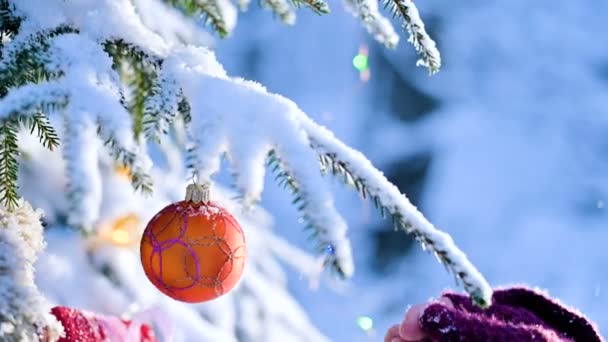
x: 193, y: 252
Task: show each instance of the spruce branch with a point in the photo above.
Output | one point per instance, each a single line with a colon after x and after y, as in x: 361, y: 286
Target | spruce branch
x: 140, y: 83
x: 191, y: 159
x: 26, y: 61
x: 40, y: 124
x: 209, y: 10
x: 72, y: 145
x: 140, y: 179
x: 424, y: 45
x: 120, y: 50
x: 30, y: 99
x: 9, y: 23
x: 151, y: 101
x: 282, y: 9
x: 243, y: 5
x: 376, y: 24
x: 353, y: 168
x: 437, y: 242
x: 285, y: 179
x: 161, y: 107
x: 318, y: 6
x: 183, y: 108
x: 9, y: 166
x: 24, y: 105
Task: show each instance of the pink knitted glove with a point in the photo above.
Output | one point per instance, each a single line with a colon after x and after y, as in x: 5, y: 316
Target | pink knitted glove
x: 516, y: 314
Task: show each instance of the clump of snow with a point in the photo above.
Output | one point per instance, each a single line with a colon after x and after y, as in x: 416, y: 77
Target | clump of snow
x: 174, y: 26
x: 282, y: 9
x: 228, y: 12
x: 30, y: 97
x: 24, y: 313
x: 81, y: 162
x: 376, y: 24
x: 97, y: 20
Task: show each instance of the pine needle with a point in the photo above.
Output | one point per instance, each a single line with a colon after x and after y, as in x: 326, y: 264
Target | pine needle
x: 209, y: 10
x: 424, y: 45
x: 9, y: 167
x: 285, y: 180
x: 342, y: 169
x: 140, y: 179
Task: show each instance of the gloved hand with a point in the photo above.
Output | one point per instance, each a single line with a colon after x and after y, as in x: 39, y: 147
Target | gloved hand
x: 516, y: 314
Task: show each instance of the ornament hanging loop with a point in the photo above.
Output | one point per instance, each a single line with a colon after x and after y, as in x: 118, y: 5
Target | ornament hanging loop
x: 198, y: 193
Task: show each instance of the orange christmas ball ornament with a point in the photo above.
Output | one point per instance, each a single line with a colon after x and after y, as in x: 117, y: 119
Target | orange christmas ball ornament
x: 194, y: 250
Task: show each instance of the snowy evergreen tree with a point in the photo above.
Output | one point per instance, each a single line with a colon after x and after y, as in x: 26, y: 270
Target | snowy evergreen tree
x: 119, y: 85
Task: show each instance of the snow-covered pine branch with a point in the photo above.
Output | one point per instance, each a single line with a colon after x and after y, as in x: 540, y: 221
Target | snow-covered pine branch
x: 9, y: 150
x: 9, y: 167
x: 282, y: 9
x: 382, y: 30
x: 424, y: 45
x: 106, y: 277
x: 317, y: 6
x: 24, y: 313
x: 365, y: 10
x: 376, y: 24
x: 356, y: 170
x: 220, y: 14
x: 83, y: 46
x: 254, y: 99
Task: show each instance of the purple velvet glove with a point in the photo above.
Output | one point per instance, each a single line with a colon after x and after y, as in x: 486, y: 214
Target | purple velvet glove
x: 516, y: 314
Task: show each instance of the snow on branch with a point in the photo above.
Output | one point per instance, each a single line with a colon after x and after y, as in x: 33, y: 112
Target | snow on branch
x: 282, y: 9
x: 46, y: 97
x: 376, y: 24
x: 303, y: 181
x: 219, y: 14
x: 424, y: 45
x: 95, y: 102
x: 175, y: 25
x: 247, y: 131
x: 24, y: 313
x: 23, y: 106
x: 275, y: 123
x: 359, y: 172
x: 382, y: 30
x: 317, y: 6
x: 9, y: 22
x: 86, y: 91
x: 161, y: 107
x: 80, y: 151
